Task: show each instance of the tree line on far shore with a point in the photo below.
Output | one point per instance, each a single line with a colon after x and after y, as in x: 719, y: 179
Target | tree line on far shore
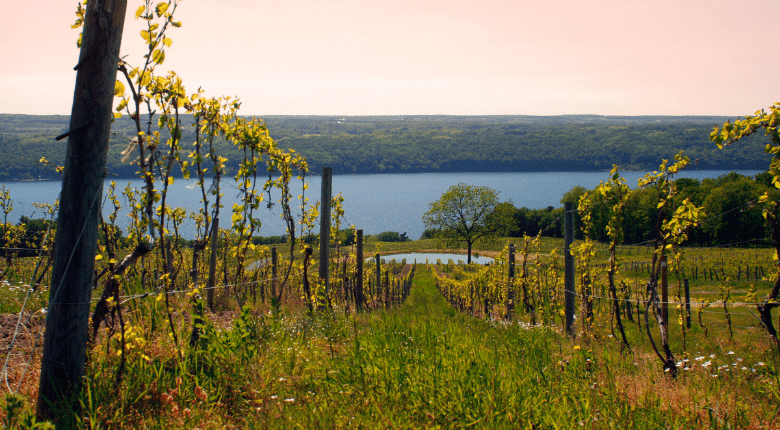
x: 733, y: 216
x: 412, y: 144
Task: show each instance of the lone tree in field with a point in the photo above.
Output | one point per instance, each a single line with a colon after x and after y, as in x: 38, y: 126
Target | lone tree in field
x: 465, y: 213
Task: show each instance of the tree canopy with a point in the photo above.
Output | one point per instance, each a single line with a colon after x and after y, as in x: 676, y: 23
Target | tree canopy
x: 466, y: 213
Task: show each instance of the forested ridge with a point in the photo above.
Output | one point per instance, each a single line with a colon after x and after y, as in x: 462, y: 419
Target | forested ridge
x: 410, y: 144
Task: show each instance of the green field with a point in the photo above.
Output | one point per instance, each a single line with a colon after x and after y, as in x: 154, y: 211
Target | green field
x: 423, y: 364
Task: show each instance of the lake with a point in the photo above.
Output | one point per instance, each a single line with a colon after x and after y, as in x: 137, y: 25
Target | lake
x: 432, y: 257
x: 375, y: 203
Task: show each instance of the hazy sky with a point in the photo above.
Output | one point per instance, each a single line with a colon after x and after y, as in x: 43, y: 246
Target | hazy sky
x: 460, y: 57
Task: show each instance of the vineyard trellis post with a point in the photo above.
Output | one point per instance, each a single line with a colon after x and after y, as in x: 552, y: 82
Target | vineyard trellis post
x: 568, y: 281
x: 378, y: 284
x: 359, y: 281
x: 67, y: 320
x: 325, y: 201
x: 510, y: 296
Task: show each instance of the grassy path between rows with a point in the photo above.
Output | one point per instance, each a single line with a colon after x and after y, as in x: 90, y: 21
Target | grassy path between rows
x: 423, y: 365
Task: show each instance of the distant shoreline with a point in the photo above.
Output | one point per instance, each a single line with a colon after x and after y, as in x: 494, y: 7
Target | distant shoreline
x: 411, y: 144
x: 312, y: 175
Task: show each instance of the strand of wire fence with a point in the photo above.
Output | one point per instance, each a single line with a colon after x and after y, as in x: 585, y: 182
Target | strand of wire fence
x: 713, y: 303
x: 171, y: 292
x: 127, y: 298
x: 160, y: 291
x: 725, y: 245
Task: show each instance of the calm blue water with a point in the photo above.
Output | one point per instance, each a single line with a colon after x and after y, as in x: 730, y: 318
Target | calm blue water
x: 375, y: 203
x: 421, y: 257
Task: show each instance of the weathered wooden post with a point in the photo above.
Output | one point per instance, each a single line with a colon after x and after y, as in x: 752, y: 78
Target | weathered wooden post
x: 306, y: 288
x: 664, y: 291
x: 359, y: 285
x: 378, y: 281
x: 67, y: 320
x: 510, y: 295
x: 325, y: 200
x: 212, y: 265
x: 568, y: 259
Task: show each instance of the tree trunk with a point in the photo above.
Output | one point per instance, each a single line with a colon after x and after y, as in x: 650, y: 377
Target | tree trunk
x: 64, y: 348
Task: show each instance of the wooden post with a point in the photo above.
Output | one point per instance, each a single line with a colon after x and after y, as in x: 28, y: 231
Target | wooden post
x: 687, y: 304
x: 213, y: 265
x: 378, y: 282
x: 510, y: 296
x: 67, y: 319
x: 568, y: 238
x: 306, y: 288
x: 325, y: 200
x: 664, y: 291
x: 274, y: 270
x: 359, y: 284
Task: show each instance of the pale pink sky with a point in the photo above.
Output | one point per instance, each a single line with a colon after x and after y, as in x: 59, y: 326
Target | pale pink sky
x: 460, y: 57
